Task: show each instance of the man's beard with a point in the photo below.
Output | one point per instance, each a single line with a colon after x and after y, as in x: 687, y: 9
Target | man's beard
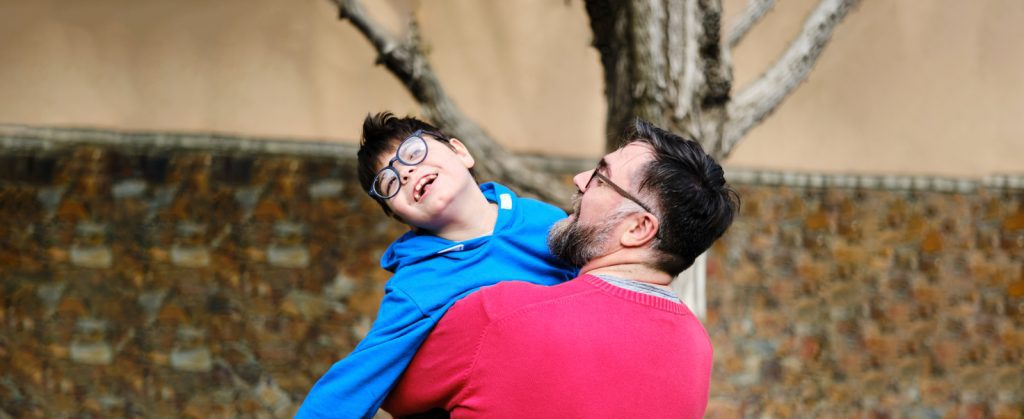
x: 577, y: 244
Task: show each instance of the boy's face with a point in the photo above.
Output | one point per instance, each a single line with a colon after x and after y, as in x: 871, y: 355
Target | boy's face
x: 430, y: 187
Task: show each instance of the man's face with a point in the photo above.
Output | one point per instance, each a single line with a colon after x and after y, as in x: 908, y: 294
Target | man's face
x: 429, y: 187
x: 592, y: 227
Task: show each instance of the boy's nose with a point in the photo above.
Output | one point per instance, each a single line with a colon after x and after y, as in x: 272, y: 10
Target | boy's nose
x: 405, y: 171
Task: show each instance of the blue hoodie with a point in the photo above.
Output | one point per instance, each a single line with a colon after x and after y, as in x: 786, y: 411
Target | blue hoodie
x: 431, y: 274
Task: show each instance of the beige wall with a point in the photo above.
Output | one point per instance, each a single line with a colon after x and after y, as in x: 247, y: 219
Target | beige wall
x: 906, y: 87
x: 291, y: 68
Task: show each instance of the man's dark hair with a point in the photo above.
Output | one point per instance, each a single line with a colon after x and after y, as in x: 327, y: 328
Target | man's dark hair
x: 381, y: 134
x: 696, y: 205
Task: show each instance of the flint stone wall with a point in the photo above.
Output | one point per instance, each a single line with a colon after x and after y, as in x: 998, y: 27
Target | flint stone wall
x: 902, y: 300
x: 158, y: 275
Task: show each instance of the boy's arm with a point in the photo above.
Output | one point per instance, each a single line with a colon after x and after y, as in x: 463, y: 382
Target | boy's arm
x: 355, y: 386
x: 440, y: 372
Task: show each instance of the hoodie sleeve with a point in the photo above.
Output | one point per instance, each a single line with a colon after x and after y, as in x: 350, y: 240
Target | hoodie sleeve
x: 441, y: 371
x: 355, y: 386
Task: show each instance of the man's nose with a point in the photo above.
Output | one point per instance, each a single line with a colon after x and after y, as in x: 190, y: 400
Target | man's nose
x: 581, y: 180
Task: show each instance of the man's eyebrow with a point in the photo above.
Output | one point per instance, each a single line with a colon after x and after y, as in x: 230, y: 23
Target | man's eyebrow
x: 602, y: 164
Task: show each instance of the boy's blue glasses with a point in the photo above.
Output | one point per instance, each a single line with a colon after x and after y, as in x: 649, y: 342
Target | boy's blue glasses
x: 411, y: 152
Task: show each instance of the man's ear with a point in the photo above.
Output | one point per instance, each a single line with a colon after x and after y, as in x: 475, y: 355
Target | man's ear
x: 641, y: 228
x: 462, y: 152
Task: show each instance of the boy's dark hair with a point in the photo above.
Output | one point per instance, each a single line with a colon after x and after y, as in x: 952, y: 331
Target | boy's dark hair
x: 381, y: 134
x: 696, y: 205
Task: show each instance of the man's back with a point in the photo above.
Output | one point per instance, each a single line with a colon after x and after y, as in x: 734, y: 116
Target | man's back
x: 585, y: 348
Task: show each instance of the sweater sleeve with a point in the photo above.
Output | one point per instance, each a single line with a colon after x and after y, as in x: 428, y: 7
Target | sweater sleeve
x: 440, y: 374
x: 355, y: 386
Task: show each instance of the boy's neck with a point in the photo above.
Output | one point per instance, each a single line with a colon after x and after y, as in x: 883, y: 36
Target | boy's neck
x: 475, y: 217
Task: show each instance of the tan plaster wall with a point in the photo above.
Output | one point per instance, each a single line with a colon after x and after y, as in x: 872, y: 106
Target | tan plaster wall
x: 262, y: 67
x: 906, y: 87
x: 292, y: 69
x: 932, y: 87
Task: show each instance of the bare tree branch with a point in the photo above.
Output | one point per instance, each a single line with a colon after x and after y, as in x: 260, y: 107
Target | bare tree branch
x: 762, y: 96
x: 406, y: 61
x: 756, y: 10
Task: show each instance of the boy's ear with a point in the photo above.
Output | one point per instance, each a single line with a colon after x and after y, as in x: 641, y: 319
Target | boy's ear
x: 462, y: 152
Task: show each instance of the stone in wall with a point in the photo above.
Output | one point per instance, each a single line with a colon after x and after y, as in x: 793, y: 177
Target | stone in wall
x: 850, y: 302
x: 191, y: 282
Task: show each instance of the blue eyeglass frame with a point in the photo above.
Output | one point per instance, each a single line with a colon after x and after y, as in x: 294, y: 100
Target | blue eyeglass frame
x: 416, y: 135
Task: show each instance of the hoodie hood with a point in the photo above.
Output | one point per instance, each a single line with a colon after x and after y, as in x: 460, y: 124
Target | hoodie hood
x: 415, y: 247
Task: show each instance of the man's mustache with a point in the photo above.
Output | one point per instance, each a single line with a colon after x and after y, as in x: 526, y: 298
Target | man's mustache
x: 577, y: 199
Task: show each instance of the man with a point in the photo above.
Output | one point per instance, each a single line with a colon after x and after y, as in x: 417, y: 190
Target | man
x: 614, y: 342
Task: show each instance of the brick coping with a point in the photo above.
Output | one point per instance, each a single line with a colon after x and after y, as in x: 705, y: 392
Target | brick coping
x: 756, y: 177
x: 22, y: 138
x: 29, y: 138
x: 883, y: 182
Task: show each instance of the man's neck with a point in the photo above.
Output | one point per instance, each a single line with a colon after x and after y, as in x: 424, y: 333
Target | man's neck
x: 474, y: 217
x: 631, y: 271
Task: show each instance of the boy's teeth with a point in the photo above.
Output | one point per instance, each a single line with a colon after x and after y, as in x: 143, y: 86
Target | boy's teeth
x: 419, y: 186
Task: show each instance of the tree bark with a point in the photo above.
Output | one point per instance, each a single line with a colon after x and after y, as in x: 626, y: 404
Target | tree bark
x: 665, y: 61
x: 754, y: 13
x: 609, y: 21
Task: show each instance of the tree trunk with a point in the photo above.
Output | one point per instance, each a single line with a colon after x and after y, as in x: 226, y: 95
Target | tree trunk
x: 664, y: 61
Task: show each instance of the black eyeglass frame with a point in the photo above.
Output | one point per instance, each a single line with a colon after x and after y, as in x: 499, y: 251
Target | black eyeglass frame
x: 625, y: 194
x: 416, y: 135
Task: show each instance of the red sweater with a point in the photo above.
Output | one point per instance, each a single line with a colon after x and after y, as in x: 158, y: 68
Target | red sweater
x: 584, y: 348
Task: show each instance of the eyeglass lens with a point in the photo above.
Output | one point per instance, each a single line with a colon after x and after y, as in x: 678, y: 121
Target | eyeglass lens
x: 412, y: 151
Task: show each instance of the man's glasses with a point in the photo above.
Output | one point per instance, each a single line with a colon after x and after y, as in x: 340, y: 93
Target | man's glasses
x: 411, y: 152
x: 597, y: 174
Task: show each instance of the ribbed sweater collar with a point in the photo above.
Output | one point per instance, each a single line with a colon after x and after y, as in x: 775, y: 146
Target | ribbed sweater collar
x: 636, y: 297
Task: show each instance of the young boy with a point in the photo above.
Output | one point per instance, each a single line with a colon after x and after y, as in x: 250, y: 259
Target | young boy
x: 464, y: 236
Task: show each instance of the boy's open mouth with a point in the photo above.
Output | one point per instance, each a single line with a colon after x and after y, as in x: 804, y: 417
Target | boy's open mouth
x: 423, y: 186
